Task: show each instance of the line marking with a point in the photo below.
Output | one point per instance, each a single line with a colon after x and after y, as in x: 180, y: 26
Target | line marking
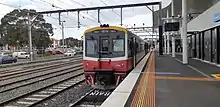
x: 195, y: 69
x: 200, y: 72
x: 211, y: 63
x: 217, y: 76
x: 145, y: 93
x: 182, y: 78
x: 178, y: 60
x: 167, y: 73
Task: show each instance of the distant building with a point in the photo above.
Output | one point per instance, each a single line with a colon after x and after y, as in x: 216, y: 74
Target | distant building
x: 56, y: 43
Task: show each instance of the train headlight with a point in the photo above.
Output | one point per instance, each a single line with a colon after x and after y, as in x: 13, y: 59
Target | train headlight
x: 87, y: 65
x: 122, y: 65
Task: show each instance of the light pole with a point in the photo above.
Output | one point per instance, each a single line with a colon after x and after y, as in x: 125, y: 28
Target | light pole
x: 30, y: 22
x: 62, y: 27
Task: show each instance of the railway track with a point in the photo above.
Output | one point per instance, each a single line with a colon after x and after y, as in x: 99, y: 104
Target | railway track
x: 5, y: 66
x: 31, y: 79
x: 18, y: 73
x: 39, y: 82
x: 93, y: 98
x: 33, y: 65
x: 37, y: 96
x: 22, y: 89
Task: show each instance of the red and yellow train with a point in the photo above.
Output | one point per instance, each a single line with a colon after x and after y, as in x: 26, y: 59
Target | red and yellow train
x: 109, y: 54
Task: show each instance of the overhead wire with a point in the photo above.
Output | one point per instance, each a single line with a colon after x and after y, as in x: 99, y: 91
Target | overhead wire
x: 84, y: 17
x: 67, y: 12
x: 112, y: 9
x: 87, y: 6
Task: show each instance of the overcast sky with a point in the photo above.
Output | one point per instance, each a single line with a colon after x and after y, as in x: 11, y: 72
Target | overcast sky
x: 131, y: 16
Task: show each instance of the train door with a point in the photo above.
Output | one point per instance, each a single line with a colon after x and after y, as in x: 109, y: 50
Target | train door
x: 131, y: 51
x: 134, y: 51
x: 102, y: 77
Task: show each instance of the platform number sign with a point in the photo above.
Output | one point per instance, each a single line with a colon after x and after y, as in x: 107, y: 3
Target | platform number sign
x: 172, y: 26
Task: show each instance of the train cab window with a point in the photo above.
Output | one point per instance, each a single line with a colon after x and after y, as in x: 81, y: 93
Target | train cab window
x: 105, y: 45
x: 91, y: 47
x: 118, y: 45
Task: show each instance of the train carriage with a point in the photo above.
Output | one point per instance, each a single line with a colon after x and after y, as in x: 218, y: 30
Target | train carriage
x: 109, y: 54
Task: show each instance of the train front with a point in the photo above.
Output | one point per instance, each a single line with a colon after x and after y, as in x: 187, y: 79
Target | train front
x: 105, y: 56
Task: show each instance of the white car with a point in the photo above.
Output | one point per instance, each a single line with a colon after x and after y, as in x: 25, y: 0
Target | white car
x: 20, y: 55
x: 70, y: 53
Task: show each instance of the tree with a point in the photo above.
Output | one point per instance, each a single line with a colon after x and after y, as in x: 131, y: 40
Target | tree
x: 14, y: 29
x: 71, y: 42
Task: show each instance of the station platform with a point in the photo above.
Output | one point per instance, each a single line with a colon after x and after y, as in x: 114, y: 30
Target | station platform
x: 166, y: 82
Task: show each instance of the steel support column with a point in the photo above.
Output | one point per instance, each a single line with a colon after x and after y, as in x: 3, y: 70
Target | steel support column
x: 168, y: 36
x: 218, y: 45
x: 121, y: 16
x: 173, y: 47
x: 98, y: 15
x: 160, y: 30
x: 184, y: 31
x: 165, y: 44
x: 173, y: 35
x: 78, y: 19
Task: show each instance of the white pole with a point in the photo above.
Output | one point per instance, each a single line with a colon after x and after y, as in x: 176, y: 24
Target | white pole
x: 184, y: 32
x: 173, y: 47
x: 168, y: 37
x: 30, y: 37
x: 173, y: 38
x: 165, y: 44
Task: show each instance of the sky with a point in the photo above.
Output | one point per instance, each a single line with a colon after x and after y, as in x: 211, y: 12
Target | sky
x: 131, y: 16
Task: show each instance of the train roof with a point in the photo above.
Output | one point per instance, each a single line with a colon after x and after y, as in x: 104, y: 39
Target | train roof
x: 119, y: 28
x: 110, y: 27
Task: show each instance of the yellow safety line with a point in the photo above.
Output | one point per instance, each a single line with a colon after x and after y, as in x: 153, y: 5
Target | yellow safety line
x: 217, y: 76
x: 145, y: 93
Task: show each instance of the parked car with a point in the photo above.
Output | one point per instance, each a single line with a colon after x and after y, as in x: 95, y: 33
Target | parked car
x: 70, y: 53
x: 7, y: 59
x: 51, y: 52
x: 20, y: 55
x: 59, y: 52
x: 5, y: 54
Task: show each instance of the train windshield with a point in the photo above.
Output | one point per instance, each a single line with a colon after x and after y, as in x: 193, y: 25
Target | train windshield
x: 91, y: 47
x: 103, y: 44
x: 118, y: 45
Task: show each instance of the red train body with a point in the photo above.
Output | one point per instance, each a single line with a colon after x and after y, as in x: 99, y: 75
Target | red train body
x: 110, y: 53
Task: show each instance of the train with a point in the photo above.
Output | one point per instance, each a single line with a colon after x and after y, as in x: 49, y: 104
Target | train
x: 109, y: 54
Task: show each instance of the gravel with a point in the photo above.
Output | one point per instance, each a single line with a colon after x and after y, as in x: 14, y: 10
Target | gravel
x: 34, y: 78
x: 67, y: 97
x: 5, y: 96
